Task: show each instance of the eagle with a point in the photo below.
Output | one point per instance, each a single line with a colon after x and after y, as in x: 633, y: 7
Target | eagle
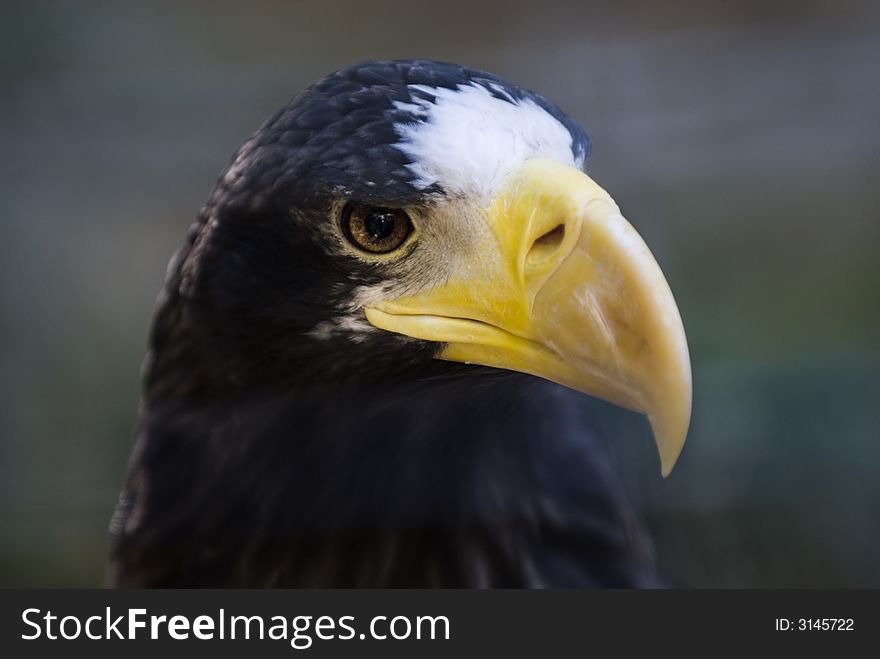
x: 368, y: 363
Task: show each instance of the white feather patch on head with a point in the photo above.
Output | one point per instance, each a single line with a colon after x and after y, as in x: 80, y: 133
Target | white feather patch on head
x: 468, y: 139
x: 355, y: 327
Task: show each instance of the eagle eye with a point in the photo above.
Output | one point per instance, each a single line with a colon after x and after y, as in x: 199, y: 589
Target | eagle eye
x: 375, y: 229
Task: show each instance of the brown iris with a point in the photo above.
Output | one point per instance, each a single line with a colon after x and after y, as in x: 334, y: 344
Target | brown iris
x: 375, y: 229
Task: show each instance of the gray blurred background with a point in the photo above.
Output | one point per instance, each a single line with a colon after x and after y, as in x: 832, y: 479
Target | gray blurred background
x: 742, y: 139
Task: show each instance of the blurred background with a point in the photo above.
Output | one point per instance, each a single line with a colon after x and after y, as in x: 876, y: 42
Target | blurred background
x: 742, y: 139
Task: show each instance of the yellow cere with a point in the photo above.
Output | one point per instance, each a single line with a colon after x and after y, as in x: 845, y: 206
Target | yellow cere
x: 562, y: 287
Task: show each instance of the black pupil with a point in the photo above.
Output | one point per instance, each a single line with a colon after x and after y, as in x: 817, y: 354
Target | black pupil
x: 379, y: 224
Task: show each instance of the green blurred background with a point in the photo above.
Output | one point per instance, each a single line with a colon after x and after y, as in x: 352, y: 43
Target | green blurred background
x: 742, y: 139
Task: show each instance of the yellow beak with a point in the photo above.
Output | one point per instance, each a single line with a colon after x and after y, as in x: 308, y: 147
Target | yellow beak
x: 562, y: 287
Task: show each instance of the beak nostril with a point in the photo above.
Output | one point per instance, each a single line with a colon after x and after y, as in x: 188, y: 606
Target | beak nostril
x: 546, y: 245
x: 552, y: 237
